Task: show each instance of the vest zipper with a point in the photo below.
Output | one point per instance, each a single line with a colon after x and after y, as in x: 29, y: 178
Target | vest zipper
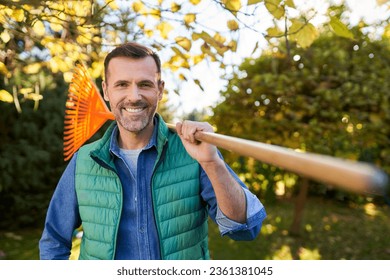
x: 156, y: 219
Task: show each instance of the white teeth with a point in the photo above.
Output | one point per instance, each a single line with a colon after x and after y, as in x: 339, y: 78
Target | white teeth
x: 133, y: 110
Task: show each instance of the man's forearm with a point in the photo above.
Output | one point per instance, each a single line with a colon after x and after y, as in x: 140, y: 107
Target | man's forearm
x: 230, y: 195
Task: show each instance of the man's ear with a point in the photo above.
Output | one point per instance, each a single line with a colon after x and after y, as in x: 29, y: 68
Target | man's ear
x: 105, y: 94
x: 161, y: 87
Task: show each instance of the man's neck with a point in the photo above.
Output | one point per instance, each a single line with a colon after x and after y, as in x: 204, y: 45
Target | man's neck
x: 128, y: 140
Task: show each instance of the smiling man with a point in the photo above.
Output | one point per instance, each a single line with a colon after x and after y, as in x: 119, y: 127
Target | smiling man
x: 143, y: 191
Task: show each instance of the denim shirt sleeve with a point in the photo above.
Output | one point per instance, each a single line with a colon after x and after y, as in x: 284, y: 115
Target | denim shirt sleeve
x: 237, y: 231
x: 62, y: 218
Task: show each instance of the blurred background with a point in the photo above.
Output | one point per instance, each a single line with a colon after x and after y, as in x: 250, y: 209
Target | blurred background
x: 310, y: 77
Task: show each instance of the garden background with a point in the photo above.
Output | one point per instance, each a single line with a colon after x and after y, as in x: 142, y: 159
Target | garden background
x: 312, y: 85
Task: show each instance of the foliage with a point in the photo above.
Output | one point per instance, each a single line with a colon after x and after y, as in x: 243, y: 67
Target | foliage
x: 331, y: 98
x: 31, y: 154
x: 53, y: 35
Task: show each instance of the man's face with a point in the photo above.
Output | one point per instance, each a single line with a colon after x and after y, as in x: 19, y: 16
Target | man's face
x: 133, y: 90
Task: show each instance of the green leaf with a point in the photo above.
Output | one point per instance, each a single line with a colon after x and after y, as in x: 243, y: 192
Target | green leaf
x: 290, y: 3
x: 275, y: 9
x: 303, y: 33
x: 340, y: 28
x: 274, y: 32
x: 252, y: 2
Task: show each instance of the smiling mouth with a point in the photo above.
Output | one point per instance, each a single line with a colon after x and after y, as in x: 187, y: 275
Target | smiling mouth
x: 134, y: 110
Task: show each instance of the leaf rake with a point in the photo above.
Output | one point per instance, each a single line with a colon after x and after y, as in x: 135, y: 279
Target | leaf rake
x: 86, y: 112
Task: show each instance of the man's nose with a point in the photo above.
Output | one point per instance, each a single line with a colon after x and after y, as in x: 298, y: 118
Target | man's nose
x: 133, y: 92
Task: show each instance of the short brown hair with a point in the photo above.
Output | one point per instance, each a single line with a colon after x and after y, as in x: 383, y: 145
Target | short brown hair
x: 132, y: 50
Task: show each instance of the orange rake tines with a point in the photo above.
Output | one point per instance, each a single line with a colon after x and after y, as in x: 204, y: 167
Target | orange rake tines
x: 85, y: 111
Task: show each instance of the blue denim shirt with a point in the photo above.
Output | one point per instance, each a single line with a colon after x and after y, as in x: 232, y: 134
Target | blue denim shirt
x: 137, y: 234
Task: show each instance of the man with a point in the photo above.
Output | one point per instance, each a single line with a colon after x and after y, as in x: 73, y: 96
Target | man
x: 143, y: 191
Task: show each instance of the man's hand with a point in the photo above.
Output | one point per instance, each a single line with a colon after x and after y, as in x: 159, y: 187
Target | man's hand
x: 230, y: 196
x: 202, y: 152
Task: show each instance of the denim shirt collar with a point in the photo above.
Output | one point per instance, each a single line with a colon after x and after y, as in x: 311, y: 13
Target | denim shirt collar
x: 114, y: 146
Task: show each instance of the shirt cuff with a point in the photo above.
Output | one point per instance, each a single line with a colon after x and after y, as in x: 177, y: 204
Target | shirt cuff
x: 253, y: 208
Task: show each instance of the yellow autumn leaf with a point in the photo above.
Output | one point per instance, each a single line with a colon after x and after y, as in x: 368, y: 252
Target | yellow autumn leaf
x: 232, y: 25
x: 155, y: 13
x: 4, y: 36
x: 97, y: 39
x: 4, y: 70
x: 83, y: 8
x: 178, y: 53
x: 32, y: 68
x: 84, y: 39
x: 386, y: 32
x: 340, y: 28
x: 18, y: 15
x: 68, y: 76
x: 34, y: 96
x: 138, y: 6
x: 141, y: 24
x: 233, y: 45
x: 195, y: 2
x: 197, y: 58
x: 183, y: 42
x: 175, y: 7
x: 149, y: 33
x: 381, y: 2
x: 232, y: 5
x: 275, y: 9
x: 164, y: 28
x: 189, y: 18
x: 26, y: 91
x: 252, y: 2
x: 178, y: 61
x: 5, y: 96
x: 219, y: 38
x: 55, y: 64
x: 3, y: 19
x: 39, y: 28
x: 55, y: 48
x: 56, y: 27
x: 112, y: 4
x: 97, y: 69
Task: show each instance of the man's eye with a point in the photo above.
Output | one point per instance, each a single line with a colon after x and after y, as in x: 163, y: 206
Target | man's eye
x: 145, y: 85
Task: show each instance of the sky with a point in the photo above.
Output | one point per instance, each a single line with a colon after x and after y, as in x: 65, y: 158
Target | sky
x: 192, y: 98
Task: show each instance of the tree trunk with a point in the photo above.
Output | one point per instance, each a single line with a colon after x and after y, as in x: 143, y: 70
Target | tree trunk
x: 300, y: 201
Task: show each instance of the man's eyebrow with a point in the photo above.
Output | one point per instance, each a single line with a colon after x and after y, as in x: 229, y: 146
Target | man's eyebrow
x: 146, y: 81
x: 121, y: 82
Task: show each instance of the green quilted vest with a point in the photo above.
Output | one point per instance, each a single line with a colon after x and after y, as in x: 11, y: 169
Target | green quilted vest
x: 180, y: 215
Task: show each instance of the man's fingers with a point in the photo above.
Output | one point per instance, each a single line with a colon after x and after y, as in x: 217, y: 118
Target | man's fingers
x: 187, y: 130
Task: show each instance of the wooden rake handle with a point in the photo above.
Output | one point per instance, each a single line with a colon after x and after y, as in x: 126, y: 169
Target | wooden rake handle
x: 352, y: 176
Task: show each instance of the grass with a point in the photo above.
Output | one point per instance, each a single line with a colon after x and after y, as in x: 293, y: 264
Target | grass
x: 331, y: 231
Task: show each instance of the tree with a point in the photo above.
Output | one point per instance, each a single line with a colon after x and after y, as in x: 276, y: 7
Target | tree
x: 55, y: 34
x: 331, y: 98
